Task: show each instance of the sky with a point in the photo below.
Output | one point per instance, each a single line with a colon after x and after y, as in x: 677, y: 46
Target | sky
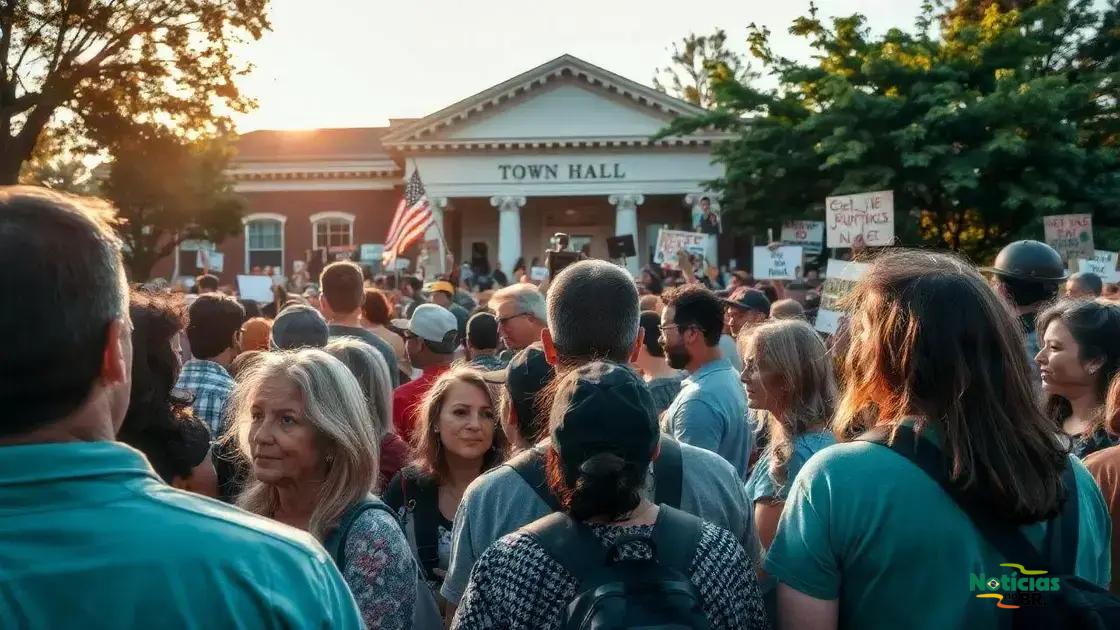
x: 354, y: 63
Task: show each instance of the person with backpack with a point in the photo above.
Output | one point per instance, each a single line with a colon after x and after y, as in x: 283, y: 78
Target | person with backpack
x: 457, y: 438
x: 611, y: 558
x: 951, y: 503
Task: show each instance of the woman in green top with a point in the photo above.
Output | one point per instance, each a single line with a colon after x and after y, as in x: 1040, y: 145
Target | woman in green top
x: 867, y: 539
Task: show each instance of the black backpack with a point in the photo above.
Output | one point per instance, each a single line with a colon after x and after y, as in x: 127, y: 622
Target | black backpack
x: 614, y: 592
x: 1078, y: 603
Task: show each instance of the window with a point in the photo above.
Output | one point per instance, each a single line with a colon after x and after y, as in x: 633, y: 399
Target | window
x: 333, y: 231
x: 264, y: 241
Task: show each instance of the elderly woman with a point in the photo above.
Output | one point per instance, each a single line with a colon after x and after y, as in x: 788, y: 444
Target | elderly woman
x: 369, y: 368
x: 597, y: 469
x: 457, y: 438
x: 302, y: 420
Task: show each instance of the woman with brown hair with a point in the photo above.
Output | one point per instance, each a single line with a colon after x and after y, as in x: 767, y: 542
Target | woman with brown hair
x: 376, y: 315
x: 868, y: 538
x: 1105, y: 468
x: 456, y: 439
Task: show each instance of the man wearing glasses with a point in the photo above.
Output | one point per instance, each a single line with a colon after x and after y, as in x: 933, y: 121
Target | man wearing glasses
x: 521, y: 315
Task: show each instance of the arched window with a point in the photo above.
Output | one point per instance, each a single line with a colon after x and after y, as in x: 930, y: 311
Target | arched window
x: 333, y: 231
x: 264, y: 240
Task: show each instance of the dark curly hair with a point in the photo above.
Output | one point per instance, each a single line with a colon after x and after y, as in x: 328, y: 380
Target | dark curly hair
x: 156, y: 319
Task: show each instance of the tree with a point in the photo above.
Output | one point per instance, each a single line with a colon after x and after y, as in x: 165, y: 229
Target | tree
x: 980, y: 129
x: 694, y: 60
x: 167, y: 191
x: 56, y: 165
x: 96, y: 65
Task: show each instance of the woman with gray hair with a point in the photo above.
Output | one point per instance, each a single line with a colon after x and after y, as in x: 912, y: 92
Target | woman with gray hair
x: 301, y: 419
x: 372, y: 372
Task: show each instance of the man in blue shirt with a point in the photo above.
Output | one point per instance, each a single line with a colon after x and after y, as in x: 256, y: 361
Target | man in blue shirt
x: 92, y: 536
x: 711, y: 410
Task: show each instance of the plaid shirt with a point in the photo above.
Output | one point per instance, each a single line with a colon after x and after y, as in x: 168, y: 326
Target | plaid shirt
x: 211, y: 385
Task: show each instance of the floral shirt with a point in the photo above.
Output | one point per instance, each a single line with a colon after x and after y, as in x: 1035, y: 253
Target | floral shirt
x: 380, y: 571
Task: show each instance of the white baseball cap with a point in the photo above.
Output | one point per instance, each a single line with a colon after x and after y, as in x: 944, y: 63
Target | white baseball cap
x: 433, y: 323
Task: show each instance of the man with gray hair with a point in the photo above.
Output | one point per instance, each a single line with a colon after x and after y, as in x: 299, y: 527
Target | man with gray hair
x: 521, y: 315
x: 1084, y: 286
x: 592, y: 315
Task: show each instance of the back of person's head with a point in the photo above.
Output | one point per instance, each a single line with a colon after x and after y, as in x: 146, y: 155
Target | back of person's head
x: 787, y: 309
x: 174, y: 448
x: 207, y: 283
x: 651, y: 324
x: 1095, y: 327
x: 526, y: 298
x: 299, y: 326
x: 414, y: 283
x: 795, y: 354
x: 593, y: 312
x: 215, y: 320
x: 342, y: 287
x: 930, y: 340
x: 1025, y: 292
x: 375, y: 307
x: 1088, y: 283
x: 427, y: 447
x: 63, y: 255
x: 156, y: 319
x: 252, y: 309
x: 244, y: 362
x: 651, y: 303
x: 333, y: 406
x: 597, y: 468
x: 482, y: 331
x: 694, y: 305
x: 372, y: 373
x: 255, y: 334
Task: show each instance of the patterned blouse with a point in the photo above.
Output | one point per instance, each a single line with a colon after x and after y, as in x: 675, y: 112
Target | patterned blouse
x: 380, y: 571
x: 516, y: 584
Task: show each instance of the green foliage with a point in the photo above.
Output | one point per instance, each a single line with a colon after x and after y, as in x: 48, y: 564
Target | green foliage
x: 167, y: 191
x: 697, y: 61
x: 99, y: 67
x: 980, y: 129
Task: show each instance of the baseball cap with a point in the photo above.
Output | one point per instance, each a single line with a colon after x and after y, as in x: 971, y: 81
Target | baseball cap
x: 299, y: 326
x: 433, y: 323
x: 750, y: 300
x: 604, y: 408
x: 441, y: 285
x: 526, y: 375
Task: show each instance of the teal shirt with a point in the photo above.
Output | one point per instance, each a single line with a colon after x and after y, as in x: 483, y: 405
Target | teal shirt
x: 93, y: 539
x: 866, y: 526
x: 762, y: 484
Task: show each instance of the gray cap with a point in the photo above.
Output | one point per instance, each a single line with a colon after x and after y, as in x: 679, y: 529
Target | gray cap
x: 299, y: 326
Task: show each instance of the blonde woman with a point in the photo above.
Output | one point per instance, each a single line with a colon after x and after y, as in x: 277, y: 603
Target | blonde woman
x: 457, y: 438
x: 788, y: 374
x: 301, y: 419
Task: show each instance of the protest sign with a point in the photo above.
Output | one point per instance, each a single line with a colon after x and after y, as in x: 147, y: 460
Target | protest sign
x: 808, y: 234
x: 209, y: 260
x: 256, y: 288
x: 780, y: 263
x: 863, y: 220
x: 841, y: 278
x: 669, y: 242
x: 1103, y: 264
x: 1071, y: 235
x: 538, y: 274
x: 370, y: 252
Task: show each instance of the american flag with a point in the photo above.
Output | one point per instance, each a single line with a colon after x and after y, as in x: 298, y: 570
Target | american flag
x: 412, y: 219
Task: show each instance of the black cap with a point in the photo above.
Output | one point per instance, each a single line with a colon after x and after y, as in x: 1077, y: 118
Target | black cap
x: 606, y: 409
x: 750, y: 300
x: 526, y: 375
x: 299, y: 326
x: 1029, y: 260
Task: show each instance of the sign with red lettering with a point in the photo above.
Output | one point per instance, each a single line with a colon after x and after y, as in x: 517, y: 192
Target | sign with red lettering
x: 808, y: 234
x: 863, y: 220
x: 1071, y: 235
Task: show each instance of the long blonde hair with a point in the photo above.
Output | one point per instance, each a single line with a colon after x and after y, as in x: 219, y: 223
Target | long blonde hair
x: 794, y: 351
x: 333, y: 404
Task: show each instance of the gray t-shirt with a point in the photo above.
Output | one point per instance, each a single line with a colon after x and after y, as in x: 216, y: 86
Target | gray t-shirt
x: 500, y: 502
x: 378, y: 344
x: 711, y: 413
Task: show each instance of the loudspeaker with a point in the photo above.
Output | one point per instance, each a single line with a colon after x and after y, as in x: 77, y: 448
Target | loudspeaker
x: 621, y: 247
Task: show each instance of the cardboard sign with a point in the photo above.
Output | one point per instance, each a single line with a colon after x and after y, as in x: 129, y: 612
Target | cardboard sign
x: 1071, y: 235
x: 863, y: 220
x: 538, y: 274
x: 841, y: 278
x: 256, y: 288
x: 1103, y: 264
x: 669, y: 242
x: 781, y: 263
x: 808, y: 234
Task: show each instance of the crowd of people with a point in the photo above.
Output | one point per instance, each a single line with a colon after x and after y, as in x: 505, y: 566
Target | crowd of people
x: 399, y: 455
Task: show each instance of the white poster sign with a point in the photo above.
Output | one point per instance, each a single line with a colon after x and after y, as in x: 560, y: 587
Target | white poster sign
x: 1103, y: 264
x: 669, y: 242
x: 371, y: 252
x: 209, y: 260
x: 840, y: 280
x: 863, y: 220
x: 780, y: 263
x: 538, y: 274
x: 808, y: 234
x: 256, y: 288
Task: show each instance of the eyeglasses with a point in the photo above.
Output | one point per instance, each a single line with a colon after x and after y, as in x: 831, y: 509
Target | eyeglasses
x: 662, y: 329
x: 503, y: 320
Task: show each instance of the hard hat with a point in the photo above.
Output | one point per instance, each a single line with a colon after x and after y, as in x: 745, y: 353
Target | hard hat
x: 1029, y: 260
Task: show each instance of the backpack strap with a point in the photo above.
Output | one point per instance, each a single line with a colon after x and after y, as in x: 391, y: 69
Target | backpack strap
x: 668, y: 473
x: 1010, y: 541
x: 676, y: 537
x: 531, y: 466
x: 568, y: 542
x: 335, y: 544
x: 425, y: 522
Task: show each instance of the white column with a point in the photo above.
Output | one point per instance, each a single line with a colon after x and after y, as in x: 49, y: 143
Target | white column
x: 436, y: 233
x: 509, y: 231
x: 626, y: 222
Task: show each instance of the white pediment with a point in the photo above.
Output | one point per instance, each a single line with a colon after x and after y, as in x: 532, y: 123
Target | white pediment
x: 562, y: 110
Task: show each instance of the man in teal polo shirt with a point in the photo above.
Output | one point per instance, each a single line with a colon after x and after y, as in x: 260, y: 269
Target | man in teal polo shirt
x: 92, y: 537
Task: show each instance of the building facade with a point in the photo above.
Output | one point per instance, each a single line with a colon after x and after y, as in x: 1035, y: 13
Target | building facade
x: 565, y: 147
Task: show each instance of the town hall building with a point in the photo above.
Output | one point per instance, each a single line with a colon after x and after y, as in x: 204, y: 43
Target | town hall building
x: 564, y: 147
